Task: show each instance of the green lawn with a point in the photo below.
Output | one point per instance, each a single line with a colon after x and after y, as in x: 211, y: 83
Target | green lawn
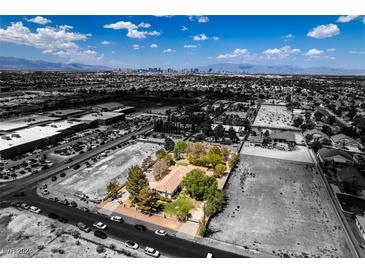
x: 173, y: 208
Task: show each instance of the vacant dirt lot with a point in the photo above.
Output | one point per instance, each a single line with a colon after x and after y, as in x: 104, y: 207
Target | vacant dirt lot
x: 281, y: 208
x: 93, y: 181
x: 24, y: 235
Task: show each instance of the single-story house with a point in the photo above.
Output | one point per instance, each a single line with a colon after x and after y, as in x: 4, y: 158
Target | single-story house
x: 335, y: 156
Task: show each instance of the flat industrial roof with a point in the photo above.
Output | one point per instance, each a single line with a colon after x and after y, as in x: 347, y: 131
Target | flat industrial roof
x: 25, y: 121
x: 99, y: 116
x: 34, y: 133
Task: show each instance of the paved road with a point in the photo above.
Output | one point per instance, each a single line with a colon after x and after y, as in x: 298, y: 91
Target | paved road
x: 169, y: 246
x: 18, y: 185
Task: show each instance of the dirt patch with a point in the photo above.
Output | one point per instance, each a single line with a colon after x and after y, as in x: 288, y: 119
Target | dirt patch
x: 279, y: 208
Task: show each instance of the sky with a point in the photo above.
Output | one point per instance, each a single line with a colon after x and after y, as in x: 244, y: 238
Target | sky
x: 186, y: 41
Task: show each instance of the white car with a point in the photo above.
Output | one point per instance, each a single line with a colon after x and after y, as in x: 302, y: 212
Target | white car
x: 210, y: 255
x: 100, y: 225
x: 35, y: 209
x: 151, y: 252
x: 117, y: 219
x: 160, y: 232
x: 131, y: 244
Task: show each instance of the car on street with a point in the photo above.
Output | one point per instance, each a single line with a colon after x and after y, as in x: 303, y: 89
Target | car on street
x: 73, y: 204
x: 161, y: 232
x: 140, y: 227
x: 45, y: 192
x: 54, y: 199
x: 62, y: 220
x: 100, y: 225
x: 25, y: 206
x: 210, y: 255
x: 64, y: 202
x: 53, y: 216
x: 131, y: 244
x: 151, y: 252
x: 83, y: 227
x: 84, y: 209
x: 100, y: 234
x: 116, y: 219
x: 35, y: 209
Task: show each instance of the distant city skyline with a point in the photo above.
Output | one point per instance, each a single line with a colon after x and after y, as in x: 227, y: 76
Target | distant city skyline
x: 187, y: 41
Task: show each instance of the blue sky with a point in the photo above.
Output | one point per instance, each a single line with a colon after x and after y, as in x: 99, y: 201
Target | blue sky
x: 187, y: 41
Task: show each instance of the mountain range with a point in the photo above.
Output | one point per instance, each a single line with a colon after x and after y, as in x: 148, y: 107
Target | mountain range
x: 13, y: 63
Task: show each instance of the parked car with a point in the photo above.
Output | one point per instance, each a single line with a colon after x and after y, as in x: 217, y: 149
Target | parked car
x: 151, y: 252
x: 73, y: 204
x: 131, y: 244
x: 53, y: 216
x: 62, y: 220
x: 210, y: 255
x: 161, y: 232
x: 64, y: 202
x: 100, y: 225
x: 35, y: 209
x: 100, y: 234
x: 83, y: 227
x: 117, y: 219
x: 140, y: 227
x: 45, y: 192
x: 54, y: 199
x: 25, y: 206
x: 84, y: 209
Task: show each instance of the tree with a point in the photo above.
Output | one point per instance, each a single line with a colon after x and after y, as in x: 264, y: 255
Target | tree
x: 215, y: 150
x: 214, y: 203
x: 112, y: 188
x: 232, y: 134
x: 160, y: 169
x: 298, y: 121
x: 327, y: 130
x: 147, y: 163
x: 196, y: 149
x: 183, y: 213
x: 219, y: 170
x: 308, y: 138
x: 331, y: 120
x: 316, y: 145
x: 214, y: 159
x: 233, y: 160
x: 198, y: 185
x: 136, y: 180
x: 169, y: 160
x: 180, y: 147
x: 169, y: 144
x: 224, y: 153
x: 318, y: 116
x: 219, y: 131
x: 161, y: 153
x: 326, y: 142
x: 148, y: 201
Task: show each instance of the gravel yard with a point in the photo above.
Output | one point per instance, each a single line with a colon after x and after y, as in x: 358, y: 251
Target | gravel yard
x: 281, y: 208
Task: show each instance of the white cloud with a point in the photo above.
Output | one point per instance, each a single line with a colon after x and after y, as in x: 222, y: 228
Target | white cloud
x: 144, y: 25
x: 153, y: 33
x: 105, y: 42
x: 136, y: 34
x: 200, y: 19
x: 331, y: 50
x: 288, y: 37
x: 58, y: 41
x: 203, y: 19
x: 315, y: 53
x: 361, y: 52
x: 278, y: 53
x: 237, y: 53
x: 136, y: 47
x: 215, y: 38
x: 153, y: 46
x: 121, y: 25
x: 324, y: 31
x: 200, y: 37
x: 347, y: 18
x: 169, y: 50
x: 183, y: 28
x: 39, y: 20
x: 190, y: 46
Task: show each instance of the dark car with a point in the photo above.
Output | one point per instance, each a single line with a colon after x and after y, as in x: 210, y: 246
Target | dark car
x: 83, y: 227
x: 63, y: 220
x: 100, y: 234
x: 53, y: 215
x: 84, y: 209
x: 54, y: 199
x: 140, y: 227
x: 73, y: 204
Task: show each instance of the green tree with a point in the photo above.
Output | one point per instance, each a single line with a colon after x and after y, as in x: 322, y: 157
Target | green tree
x: 232, y: 134
x: 215, y: 150
x: 112, y: 188
x: 180, y: 147
x: 147, y: 163
x: 136, y: 180
x: 148, y: 201
x: 214, y: 203
x: 198, y: 185
x: 183, y: 213
x: 169, y: 160
x: 169, y: 144
x: 219, y: 131
x: 214, y: 159
x: 316, y: 145
x: 161, y: 153
x: 219, y: 170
